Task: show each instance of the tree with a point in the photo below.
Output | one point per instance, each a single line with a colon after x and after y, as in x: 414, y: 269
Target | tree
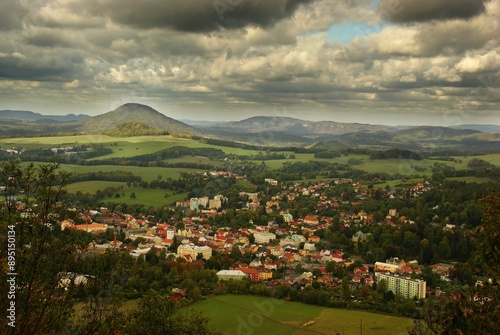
x: 156, y: 315
x: 152, y: 257
x: 235, y: 253
x: 411, y: 242
x: 31, y: 208
x: 346, y: 291
x: 382, y: 286
x: 29, y: 214
x: 132, y: 195
x: 444, y: 249
x: 330, y: 267
x: 474, y: 310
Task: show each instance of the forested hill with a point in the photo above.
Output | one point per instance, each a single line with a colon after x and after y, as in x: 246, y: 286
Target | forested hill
x: 134, y: 112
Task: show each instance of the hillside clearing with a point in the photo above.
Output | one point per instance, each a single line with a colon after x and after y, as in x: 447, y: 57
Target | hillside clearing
x: 234, y: 314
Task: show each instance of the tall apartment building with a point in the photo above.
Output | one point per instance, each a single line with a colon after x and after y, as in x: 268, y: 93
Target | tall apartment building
x: 194, y: 204
x: 402, y: 286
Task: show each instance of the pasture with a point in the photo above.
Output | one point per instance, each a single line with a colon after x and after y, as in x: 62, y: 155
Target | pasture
x: 235, y: 314
x: 140, y: 145
x: 121, y: 146
x: 146, y: 173
x: 92, y: 186
x: 147, y: 197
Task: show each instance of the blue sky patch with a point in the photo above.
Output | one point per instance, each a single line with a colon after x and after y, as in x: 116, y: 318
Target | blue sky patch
x: 345, y: 32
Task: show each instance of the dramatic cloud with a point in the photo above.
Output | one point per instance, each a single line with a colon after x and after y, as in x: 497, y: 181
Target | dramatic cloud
x: 403, y: 11
x: 194, y: 15
x: 230, y: 59
x: 11, y: 14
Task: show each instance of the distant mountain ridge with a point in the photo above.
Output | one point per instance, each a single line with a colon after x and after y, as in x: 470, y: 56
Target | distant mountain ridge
x: 134, y: 119
x: 432, y: 132
x: 484, y: 128
x: 295, y: 126
x: 32, y: 116
x: 286, y: 131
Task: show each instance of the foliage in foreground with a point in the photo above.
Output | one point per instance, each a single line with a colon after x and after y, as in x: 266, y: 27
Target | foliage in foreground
x: 474, y: 310
x: 43, y: 253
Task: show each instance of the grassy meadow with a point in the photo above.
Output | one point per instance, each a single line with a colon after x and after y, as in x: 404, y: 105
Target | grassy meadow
x: 236, y: 315
x: 133, y: 146
x: 146, y: 173
x: 147, y: 197
x: 121, y: 146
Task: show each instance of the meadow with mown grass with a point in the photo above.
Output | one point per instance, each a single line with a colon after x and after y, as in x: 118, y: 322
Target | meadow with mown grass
x: 242, y: 314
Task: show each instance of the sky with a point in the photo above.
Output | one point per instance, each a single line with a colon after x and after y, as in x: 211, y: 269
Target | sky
x: 393, y: 62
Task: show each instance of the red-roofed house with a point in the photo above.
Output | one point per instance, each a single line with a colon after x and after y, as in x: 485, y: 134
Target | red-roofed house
x: 309, y: 219
x: 93, y: 227
x: 369, y: 281
x: 337, y: 257
x: 357, y: 279
x: 250, y: 272
x: 361, y: 270
x: 313, y: 238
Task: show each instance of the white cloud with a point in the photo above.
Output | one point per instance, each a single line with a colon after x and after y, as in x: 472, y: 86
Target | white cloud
x: 442, y: 73
x: 408, y: 78
x: 477, y: 63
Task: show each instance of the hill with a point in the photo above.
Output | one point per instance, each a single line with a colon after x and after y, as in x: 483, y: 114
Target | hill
x: 134, y: 112
x: 286, y: 131
x: 433, y: 133
x: 31, y: 116
x: 293, y: 126
x: 328, y: 145
x: 134, y: 128
x: 484, y: 128
x: 133, y: 119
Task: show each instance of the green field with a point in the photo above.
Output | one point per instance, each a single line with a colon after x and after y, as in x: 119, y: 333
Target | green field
x: 235, y: 314
x: 390, y: 166
x: 121, y: 146
x: 127, y: 306
x: 133, y: 146
x: 193, y: 159
x: 146, y: 173
x: 478, y: 180
x: 147, y: 197
x: 492, y: 158
x: 92, y: 186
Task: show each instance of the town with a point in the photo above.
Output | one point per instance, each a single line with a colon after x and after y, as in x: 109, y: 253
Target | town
x: 263, y: 242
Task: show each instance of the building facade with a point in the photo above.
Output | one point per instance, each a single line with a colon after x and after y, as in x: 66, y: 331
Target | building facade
x: 263, y: 237
x: 402, y: 286
x: 194, y: 250
x: 194, y: 204
x: 230, y: 274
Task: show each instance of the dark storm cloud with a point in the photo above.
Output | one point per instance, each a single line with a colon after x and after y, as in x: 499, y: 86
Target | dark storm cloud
x: 405, y: 11
x: 44, y: 68
x: 11, y: 14
x: 11, y: 70
x: 194, y: 15
x: 49, y: 39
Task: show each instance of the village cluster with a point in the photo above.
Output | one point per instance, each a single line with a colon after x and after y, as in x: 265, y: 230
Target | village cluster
x: 272, y: 246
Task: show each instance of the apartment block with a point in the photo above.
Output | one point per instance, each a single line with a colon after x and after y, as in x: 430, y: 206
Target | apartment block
x: 402, y: 286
